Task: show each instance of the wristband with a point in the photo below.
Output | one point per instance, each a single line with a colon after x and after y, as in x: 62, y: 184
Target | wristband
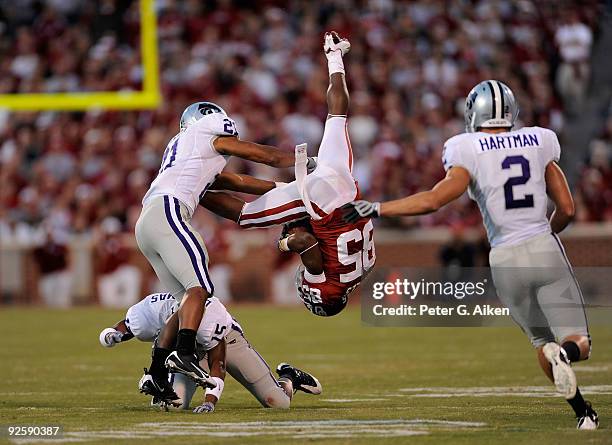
x: 217, y: 390
x: 283, y: 244
x: 279, y: 184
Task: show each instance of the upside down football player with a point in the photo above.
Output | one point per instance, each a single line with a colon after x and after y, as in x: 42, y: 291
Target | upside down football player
x: 335, y: 255
x: 511, y: 174
x: 221, y: 344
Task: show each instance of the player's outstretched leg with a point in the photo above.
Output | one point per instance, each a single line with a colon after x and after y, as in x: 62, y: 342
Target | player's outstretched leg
x: 300, y: 380
x: 337, y: 93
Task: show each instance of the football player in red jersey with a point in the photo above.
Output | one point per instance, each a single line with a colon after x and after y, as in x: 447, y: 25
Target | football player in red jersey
x: 335, y: 255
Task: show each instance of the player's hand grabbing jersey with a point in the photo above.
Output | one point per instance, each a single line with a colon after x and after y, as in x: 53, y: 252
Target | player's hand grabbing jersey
x: 507, y: 178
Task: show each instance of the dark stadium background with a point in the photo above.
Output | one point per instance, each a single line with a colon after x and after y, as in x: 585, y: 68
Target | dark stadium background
x: 71, y: 182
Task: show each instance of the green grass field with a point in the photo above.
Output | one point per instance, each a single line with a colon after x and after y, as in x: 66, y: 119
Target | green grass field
x: 389, y: 385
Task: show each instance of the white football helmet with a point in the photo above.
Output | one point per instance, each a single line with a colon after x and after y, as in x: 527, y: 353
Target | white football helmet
x: 197, y: 111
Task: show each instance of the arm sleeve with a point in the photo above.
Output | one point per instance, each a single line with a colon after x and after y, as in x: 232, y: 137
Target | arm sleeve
x: 454, y: 155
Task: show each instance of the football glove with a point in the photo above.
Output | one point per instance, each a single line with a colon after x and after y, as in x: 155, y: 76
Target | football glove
x: 333, y: 43
x: 355, y: 210
x: 109, y: 337
x: 206, y: 407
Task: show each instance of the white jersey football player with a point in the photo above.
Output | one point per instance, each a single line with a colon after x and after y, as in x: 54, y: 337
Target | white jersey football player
x: 221, y: 345
x: 511, y: 174
x: 190, y: 164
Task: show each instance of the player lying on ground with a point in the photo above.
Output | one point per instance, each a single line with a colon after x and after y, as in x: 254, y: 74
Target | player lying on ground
x: 191, y: 162
x: 511, y: 174
x: 221, y: 345
x: 335, y: 255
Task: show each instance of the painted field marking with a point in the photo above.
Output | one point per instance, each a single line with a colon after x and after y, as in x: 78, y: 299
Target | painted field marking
x: 592, y: 368
x: 374, y: 399
x: 494, y: 391
x: 316, y: 429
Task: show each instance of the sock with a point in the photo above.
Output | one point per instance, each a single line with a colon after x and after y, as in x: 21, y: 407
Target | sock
x: 186, y: 341
x: 158, y: 362
x: 572, y: 350
x: 578, y: 404
x: 334, y: 62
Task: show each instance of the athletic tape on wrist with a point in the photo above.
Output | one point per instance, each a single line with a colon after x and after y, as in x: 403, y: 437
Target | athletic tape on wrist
x: 283, y: 245
x: 217, y: 390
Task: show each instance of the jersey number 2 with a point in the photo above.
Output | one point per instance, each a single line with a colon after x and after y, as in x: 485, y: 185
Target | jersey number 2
x: 511, y: 201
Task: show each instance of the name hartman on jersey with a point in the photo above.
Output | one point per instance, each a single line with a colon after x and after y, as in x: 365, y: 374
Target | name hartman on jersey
x: 521, y: 140
x: 462, y: 310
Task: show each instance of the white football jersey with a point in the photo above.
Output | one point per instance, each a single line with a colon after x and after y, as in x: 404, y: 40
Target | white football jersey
x: 146, y: 318
x: 190, y: 162
x: 507, y: 179
x: 216, y: 324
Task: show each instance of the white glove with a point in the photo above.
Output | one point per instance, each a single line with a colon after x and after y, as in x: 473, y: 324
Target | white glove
x: 206, y: 407
x: 109, y: 337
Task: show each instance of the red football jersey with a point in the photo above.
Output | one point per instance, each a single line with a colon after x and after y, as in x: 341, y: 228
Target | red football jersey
x: 347, y: 248
x: 348, y: 253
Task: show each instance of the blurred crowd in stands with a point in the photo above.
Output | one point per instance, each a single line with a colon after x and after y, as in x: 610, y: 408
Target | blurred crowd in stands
x: 84, y: 173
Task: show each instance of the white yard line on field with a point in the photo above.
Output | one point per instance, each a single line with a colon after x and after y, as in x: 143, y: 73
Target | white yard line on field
x: 375, y: 399
x: 493, y: 391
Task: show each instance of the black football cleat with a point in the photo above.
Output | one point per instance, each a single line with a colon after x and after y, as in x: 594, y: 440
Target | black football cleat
x: 302, y: 381
x: 189, y: 366
x: 160, y: 389
x: 590, y: 420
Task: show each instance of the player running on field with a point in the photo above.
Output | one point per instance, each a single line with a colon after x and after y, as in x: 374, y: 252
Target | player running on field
x: 511, y: 174
x: 335, y: 255
x: 221, y: 345
x: 192, y: 160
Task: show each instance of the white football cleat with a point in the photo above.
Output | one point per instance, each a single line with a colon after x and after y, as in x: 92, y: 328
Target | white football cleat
x: 565, y: 379
x: 334, y: 43
x: 590, y: 420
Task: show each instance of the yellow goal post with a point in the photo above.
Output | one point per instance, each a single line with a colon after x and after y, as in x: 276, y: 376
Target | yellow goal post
x: 147, y: 98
